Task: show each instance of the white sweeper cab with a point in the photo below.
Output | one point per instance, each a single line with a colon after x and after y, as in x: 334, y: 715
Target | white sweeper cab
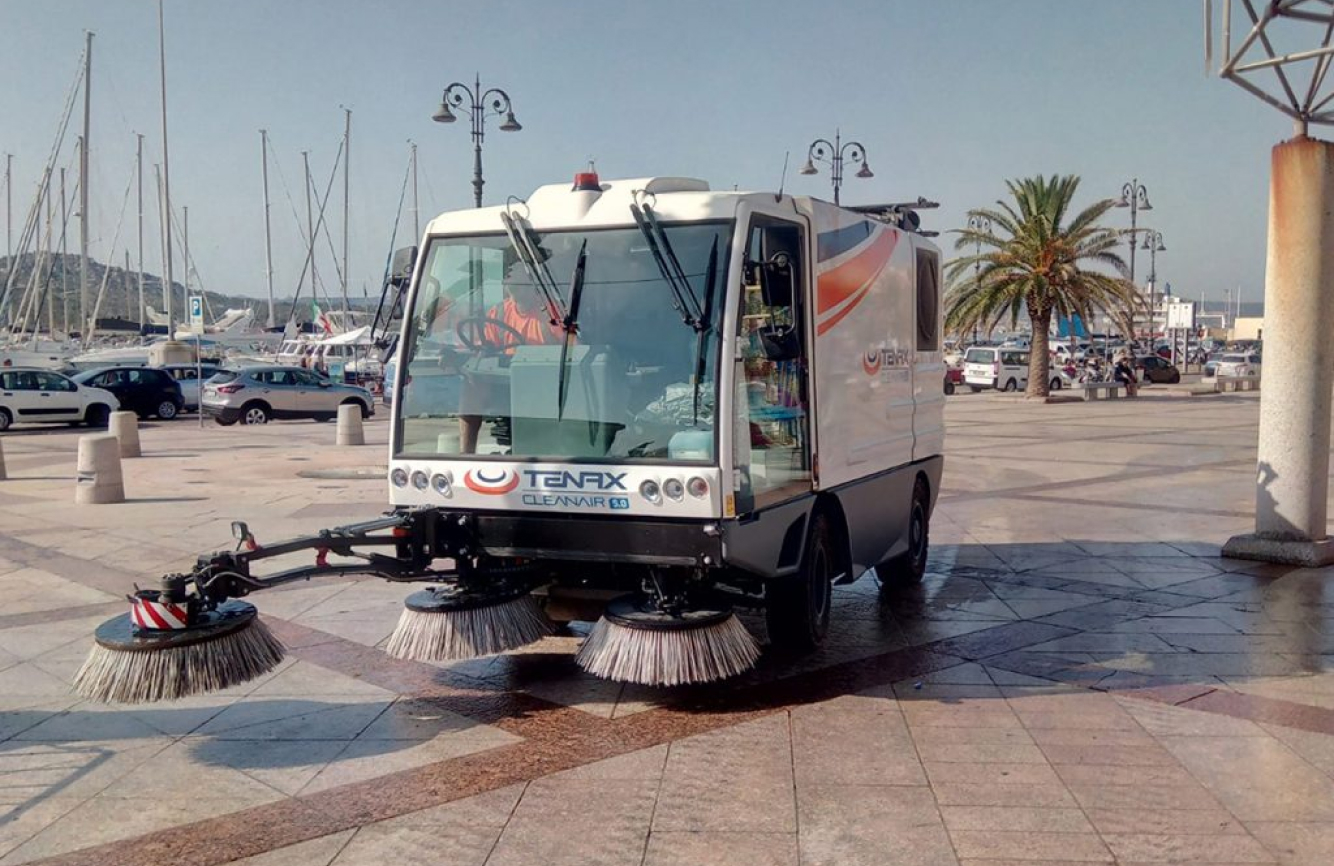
x: 640, y: 402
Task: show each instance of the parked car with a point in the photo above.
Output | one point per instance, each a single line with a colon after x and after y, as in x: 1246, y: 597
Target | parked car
x: 1236, y: 365
x: 31, y: 394
x: 256, y: 395
x: 996, y: 367
x: 189, y: 376
x: 144, y: 391
x: 953, y: 377
x: 1152, y: 368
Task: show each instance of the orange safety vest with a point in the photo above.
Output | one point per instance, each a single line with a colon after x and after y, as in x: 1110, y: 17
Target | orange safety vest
x: 535, y: 327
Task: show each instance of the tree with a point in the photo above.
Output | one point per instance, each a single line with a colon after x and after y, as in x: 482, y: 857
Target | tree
x: 1033, y: 259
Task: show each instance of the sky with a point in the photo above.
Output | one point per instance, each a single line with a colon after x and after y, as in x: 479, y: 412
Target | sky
x: 949, y: 97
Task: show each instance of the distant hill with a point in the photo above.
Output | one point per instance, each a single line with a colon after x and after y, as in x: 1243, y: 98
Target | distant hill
x: 61, y: 274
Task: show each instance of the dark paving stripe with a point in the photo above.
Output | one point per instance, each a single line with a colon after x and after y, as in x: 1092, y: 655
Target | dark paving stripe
x: 40, y: 617
x: 1241, y: 705
x: 1115, y: 478
x: 1105, y: 503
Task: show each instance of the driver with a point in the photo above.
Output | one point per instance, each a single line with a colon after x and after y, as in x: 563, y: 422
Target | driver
x: 524, y: 316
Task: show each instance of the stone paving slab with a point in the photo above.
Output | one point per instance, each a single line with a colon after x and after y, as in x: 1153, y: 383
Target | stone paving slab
x: 1079, y: 678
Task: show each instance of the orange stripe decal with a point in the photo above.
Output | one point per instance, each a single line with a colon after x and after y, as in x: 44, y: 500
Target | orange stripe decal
x: 837, y: 285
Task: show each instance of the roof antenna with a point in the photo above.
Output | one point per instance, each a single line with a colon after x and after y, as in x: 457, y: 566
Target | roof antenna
x: 782, y: 181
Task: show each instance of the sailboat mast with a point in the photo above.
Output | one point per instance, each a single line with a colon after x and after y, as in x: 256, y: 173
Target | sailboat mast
x: 64, y: 262
x: 9, y: 206
x: 83, y: 182
x: 416, y: 214
x: 166, y: 250
x: 347, y: 162
x: 46, y: 287
x: 166, y: 175
x: 310, y: 227
x: 268, y: 236
x: 139, y: 179
x: 185, y: 236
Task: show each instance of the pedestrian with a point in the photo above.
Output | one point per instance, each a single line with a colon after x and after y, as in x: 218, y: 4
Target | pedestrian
x: 1124, y: 374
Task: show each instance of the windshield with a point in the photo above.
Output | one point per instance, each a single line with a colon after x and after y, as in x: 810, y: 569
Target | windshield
x: 484, y: 351
x: 980, y: 356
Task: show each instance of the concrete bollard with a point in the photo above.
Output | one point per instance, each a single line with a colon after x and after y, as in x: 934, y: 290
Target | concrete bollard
x: 125, y: 427
x: 99, y: 481
x: 350, y: 431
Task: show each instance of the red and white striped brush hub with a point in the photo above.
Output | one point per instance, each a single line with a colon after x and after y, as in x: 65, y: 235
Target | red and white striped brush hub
x: 158, y: 615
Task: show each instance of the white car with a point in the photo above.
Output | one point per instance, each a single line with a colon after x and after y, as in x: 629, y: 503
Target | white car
x: 1238, y: 365
x: 31, y: 395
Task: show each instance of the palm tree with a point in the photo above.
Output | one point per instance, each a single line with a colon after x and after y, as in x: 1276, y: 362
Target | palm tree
x: 1033, y: 259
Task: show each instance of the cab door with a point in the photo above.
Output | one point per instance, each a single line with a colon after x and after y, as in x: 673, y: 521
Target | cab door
x: 314, y: 393
x: 19, y: 390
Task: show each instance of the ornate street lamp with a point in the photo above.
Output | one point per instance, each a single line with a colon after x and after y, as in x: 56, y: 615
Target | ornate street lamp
x: 1153, y: 242
x: 1135, y: 197
x: 479, y: 105
x: 981, y: 226
x: 834, y: 155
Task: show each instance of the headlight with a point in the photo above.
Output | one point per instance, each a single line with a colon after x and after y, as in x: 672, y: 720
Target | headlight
x: 698, y: 487
x: 650, y: 491
x: 420, y: 480
x: 674, y: 489
x: 441, y: 484
x: 399, y: 477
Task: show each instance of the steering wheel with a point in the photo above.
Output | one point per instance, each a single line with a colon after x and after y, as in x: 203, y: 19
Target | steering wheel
x: 474, y: 324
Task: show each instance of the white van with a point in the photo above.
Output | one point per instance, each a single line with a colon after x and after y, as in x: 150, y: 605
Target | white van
x: 1003, y: 368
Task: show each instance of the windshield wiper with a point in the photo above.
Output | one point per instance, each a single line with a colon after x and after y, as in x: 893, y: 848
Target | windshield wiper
x: 683, y: 297
x: 701, y: 334
x: 524, y: 247
x: 571, y: 325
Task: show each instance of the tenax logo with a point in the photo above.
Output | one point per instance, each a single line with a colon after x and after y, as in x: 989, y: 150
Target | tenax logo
x: 491, y: 483
x: 875, y: 360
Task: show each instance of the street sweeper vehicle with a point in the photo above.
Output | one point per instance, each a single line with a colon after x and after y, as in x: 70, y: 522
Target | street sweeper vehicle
x: 645, y: 396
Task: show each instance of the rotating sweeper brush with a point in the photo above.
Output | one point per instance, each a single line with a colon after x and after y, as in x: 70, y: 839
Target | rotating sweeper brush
x: 192, y: 635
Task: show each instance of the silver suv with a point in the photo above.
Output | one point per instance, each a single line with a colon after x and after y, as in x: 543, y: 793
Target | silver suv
x: 254, y: 395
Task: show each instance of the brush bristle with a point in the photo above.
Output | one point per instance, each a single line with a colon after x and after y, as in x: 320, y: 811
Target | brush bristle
x: 119, y: 677
x: 668, y: 657
x: 465, y: 634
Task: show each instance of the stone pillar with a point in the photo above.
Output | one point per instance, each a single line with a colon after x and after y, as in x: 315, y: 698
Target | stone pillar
x: 350, y: 431
x: 99, y: 481
x: 125, y: 427
x: 1292, y: 483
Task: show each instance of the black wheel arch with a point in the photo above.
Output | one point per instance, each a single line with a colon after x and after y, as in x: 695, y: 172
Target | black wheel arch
x: 827, y: 505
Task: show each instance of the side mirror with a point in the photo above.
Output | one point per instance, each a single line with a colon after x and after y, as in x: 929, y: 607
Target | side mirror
x: 400, y: 267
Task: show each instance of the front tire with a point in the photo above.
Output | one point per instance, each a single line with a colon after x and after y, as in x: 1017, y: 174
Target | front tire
x: 167, y: 410
x: 5, y: 420
x: 797, y: 608
x: 1012, y: 385
x: 909, y: 567
x: 1055, y: 385
x: 223, y: 422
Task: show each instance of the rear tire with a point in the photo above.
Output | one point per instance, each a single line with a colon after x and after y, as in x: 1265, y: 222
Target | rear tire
x: 1175, y: 380
x: 1055, y: 385
x: 97, y: 416
x: 5, y: 420
x: 797, y: 608
x: 1011, y: 385
x: 167, y: 410
x: 949, y: 387
x: 976, y: 389
x: 254, y: 413
x: 223, y: 422
x: 909, y: 567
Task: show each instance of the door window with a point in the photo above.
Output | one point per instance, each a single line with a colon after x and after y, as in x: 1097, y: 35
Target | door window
x: 772, y: 440
x: 52, y: 382
x: 305, y: 377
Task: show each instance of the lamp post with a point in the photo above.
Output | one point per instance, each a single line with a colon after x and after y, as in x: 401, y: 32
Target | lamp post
x: 982, y: 226
x: 834, y: 155
x: 478, y: 104
x: 1135, y: 197
x: 1153, y: 242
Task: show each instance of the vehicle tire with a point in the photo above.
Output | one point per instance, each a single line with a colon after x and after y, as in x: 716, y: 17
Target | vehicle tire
x: 1175, y: 380
x: 949, y: 387
x: 1055, y: 384
x: 365, y: 410
x: 322, y: 419
x: 5, y: 420
x: 223, y: 422
x: 254, y: 413
x: 976, y: 389
x: 797, y: 607
x: 909, y: 567
x: 97, y: 415
x: 167, y: 410
x: 1011, y: 385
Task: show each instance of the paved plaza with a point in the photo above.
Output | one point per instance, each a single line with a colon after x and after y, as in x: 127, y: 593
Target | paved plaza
x: 1079, y: 679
